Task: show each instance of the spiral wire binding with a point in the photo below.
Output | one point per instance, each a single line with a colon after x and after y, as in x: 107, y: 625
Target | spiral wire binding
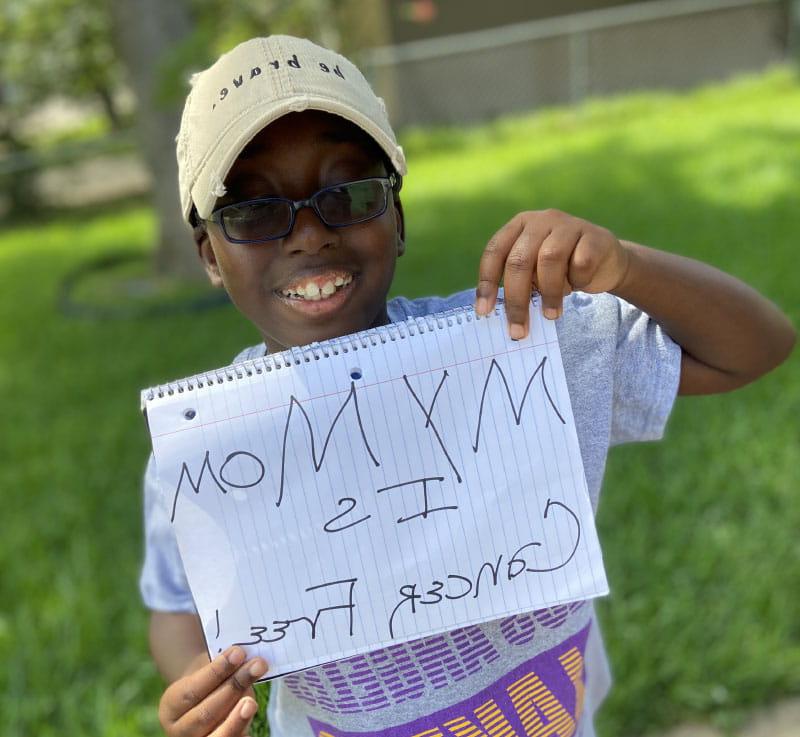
x: 298, y: 355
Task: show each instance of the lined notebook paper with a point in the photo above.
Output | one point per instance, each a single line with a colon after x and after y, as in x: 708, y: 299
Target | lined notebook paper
x: 348, y: 495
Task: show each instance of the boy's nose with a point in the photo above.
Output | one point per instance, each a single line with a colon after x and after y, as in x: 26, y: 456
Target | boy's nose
x: 309, y: 233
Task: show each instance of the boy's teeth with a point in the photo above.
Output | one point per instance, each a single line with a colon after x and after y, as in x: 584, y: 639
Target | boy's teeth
x: 312, y: 291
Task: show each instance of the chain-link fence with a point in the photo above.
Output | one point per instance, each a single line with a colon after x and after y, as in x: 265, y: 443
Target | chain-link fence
x: 666, y: 44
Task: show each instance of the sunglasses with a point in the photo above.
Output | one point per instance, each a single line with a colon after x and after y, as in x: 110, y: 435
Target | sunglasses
x: 270, y: 218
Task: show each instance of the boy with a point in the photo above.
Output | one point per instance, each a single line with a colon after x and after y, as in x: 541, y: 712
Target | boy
x: 290, y: 175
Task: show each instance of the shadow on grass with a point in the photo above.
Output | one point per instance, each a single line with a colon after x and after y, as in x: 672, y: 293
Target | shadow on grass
x: 121, y: 286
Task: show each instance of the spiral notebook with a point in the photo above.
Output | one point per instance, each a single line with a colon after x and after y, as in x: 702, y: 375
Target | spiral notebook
x: 343, y: 496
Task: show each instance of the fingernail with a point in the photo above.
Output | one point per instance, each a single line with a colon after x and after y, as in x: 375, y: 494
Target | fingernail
x: 551, y: 313
x: 517, y: 331
x: 235, y: 656
x: 258, y: 669
x: 249, y: 708
x: 482, y: 306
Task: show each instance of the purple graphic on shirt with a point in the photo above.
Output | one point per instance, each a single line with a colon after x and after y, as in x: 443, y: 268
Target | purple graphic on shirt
x: 542, y: 696
x: 408, y: 671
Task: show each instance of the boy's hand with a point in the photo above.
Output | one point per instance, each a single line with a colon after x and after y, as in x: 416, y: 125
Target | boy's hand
x: 553, y: 253
x: 216, y: 699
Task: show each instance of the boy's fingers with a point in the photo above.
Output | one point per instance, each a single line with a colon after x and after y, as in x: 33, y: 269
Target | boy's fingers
x: 518, y: 279
x: 583, y: 263
x: 551, y: 269
x: 188, y: 692
x: 492, y: 264
x: 214, y: 708
x: 237, y: 723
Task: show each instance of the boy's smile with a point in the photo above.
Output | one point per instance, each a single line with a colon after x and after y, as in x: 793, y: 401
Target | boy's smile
x: 317, y: 282
x: 326, y: 288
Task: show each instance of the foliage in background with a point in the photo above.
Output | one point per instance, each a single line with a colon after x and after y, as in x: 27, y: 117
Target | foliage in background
x: 49, y: 47
x: 58, y: 47
x: 698, y: 532
x: 66, y: 48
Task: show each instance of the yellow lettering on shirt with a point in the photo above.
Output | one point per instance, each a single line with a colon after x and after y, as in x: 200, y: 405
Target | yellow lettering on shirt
x: 572, y: 661
x: 541, y: 713
x: 493, y: 723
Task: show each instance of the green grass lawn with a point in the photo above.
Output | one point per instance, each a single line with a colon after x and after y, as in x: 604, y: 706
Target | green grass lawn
x: 700, y: 532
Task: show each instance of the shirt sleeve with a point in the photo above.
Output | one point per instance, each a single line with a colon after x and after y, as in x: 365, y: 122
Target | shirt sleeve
x: 162, y: 583
x: 646, y: 375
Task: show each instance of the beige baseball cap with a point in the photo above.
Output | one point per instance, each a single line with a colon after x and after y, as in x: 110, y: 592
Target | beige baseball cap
x: 254, y: 84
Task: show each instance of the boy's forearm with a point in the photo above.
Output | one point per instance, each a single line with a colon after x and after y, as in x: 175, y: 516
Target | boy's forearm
x: 177, y: 644
x: 729, y: 333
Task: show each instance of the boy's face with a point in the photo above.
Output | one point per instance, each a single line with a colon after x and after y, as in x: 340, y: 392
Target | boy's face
x: 294, y: 157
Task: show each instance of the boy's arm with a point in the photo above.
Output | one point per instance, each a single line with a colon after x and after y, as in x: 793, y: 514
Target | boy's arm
x: 729, y: 334
x: 177, y: 643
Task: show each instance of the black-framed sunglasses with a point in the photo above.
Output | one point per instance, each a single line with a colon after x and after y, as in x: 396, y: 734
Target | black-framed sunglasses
x: 270, y: 218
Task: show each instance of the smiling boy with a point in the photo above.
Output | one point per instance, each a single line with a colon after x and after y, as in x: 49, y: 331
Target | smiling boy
x: 329, y: 280
x: 290, y: 174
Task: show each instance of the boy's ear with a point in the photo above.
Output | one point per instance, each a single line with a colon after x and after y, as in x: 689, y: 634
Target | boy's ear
x: 401, y: 227
x: 206, y: 254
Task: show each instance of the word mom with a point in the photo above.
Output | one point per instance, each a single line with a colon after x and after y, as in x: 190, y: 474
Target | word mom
x: 298, y: 411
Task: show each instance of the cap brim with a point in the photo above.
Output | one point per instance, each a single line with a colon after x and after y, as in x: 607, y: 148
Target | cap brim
x: 216, y: 167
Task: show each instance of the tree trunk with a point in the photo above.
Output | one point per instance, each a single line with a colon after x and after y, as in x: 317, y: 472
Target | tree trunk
x: 106, y: 98
x: 17, y: 185
x: 365, y: 26
x: 145, y: 31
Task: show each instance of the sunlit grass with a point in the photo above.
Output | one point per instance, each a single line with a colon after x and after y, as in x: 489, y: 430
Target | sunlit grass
x: 699, y: 532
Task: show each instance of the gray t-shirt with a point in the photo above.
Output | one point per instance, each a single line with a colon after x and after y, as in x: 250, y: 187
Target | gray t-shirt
x: 544, y: 672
